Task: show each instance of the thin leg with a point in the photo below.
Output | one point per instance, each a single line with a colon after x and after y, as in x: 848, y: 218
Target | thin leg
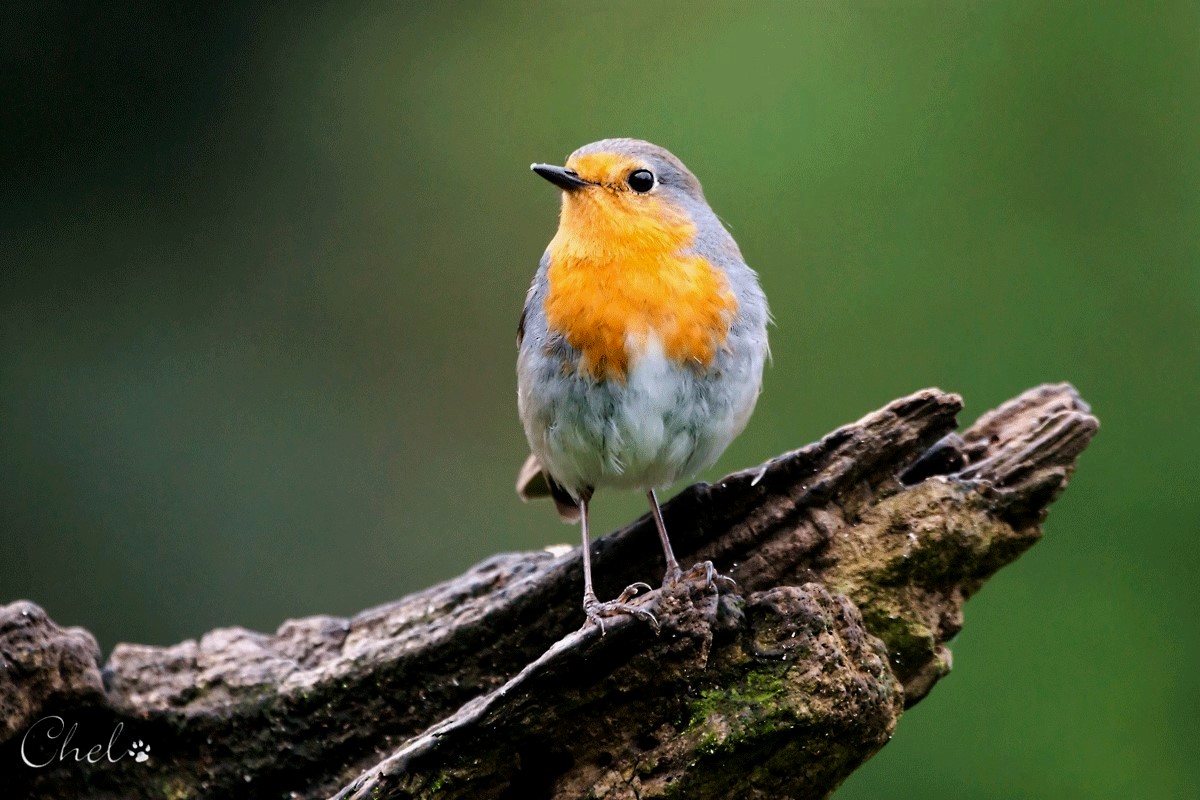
x: 589, y: 594
x: 592, y: 607
x: 674, y: 574
x: 673, y: 571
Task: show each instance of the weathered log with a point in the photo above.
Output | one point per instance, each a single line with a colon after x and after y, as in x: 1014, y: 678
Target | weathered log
x: 853, y: 558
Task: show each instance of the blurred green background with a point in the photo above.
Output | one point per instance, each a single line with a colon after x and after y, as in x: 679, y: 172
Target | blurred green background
x: 262, y: 271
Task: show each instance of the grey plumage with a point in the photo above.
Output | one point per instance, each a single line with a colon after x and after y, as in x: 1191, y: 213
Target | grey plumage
x: 666, y: 421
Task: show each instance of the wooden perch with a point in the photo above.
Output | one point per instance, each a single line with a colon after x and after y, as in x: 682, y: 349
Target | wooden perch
x: 853, y: 558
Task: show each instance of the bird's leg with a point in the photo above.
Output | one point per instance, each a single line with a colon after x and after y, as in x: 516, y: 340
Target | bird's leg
x: 673, y: 573
x: 592, y: 607
x: 589, y: 594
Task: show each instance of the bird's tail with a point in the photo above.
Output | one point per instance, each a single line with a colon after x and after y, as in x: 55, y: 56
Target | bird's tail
x: 533, y: 482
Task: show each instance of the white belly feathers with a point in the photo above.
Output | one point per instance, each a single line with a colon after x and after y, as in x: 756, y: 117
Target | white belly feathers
x: 663, y: 423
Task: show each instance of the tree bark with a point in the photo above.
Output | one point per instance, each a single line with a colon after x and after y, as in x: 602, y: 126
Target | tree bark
x: 852, y: 556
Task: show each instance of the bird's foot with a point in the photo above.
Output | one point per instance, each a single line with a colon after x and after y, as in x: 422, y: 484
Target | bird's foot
x: 713, y: 580
x: 597, y: 611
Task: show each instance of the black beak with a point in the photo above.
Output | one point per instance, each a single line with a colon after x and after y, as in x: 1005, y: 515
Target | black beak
x: 566, y: 179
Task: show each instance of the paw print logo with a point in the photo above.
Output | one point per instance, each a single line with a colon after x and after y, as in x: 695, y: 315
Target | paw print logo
x: 140, y: 751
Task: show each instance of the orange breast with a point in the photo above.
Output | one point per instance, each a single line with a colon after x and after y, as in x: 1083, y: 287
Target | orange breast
x: 617, y: 276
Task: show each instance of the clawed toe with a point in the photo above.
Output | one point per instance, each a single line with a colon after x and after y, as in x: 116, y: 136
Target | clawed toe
x: 631, y: 591
x: 597, y: 611
x: 712, y: 578
x: 725, y: 583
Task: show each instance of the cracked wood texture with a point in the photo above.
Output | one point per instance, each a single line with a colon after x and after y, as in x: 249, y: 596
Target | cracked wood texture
x: 853, y: 558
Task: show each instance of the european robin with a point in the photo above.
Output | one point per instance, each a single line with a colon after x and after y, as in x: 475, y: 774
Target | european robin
x: 641, y: 344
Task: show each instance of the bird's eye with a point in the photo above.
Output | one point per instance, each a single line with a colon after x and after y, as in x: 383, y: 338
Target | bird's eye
x: 641, y: 180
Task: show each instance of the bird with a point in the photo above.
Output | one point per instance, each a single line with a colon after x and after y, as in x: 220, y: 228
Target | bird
x: 641, y: 344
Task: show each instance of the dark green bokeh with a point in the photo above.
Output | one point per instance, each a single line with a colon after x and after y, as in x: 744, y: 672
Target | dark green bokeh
x: 262, y: 272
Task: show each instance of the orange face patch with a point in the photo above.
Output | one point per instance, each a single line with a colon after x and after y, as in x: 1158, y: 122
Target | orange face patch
x: 609, y: 169
x: 618, y: 275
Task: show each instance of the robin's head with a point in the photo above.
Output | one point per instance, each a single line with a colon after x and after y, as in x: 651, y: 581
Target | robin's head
x: 627, y: 193
x: 638, y: 255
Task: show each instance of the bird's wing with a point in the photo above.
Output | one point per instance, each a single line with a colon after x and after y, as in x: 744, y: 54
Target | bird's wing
x: 533, y: 482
